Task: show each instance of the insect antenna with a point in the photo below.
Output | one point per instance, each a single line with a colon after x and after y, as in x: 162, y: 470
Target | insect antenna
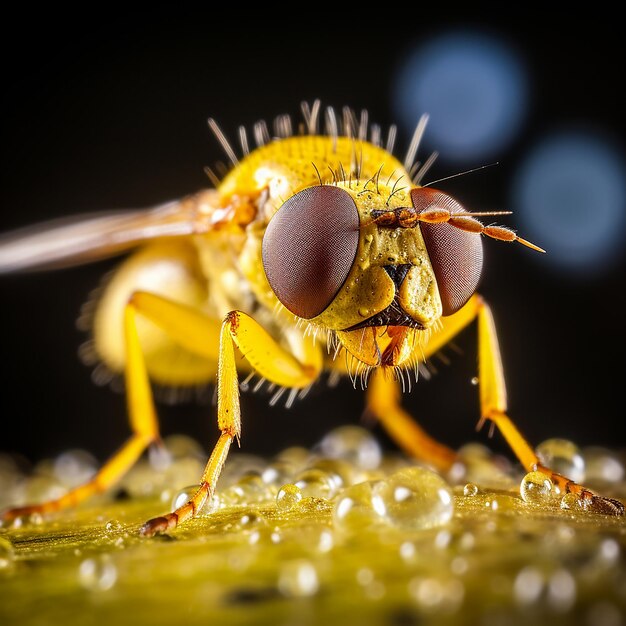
x: 415, y: 141
x: 217, y: 131
x: 474, y: 169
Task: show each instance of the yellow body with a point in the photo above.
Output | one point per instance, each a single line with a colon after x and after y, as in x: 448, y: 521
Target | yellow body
x: 193, y: 305
x: 221, y: 270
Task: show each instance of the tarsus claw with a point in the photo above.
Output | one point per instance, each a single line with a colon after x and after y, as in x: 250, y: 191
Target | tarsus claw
x: 606, y: 506
x: 159, y: 525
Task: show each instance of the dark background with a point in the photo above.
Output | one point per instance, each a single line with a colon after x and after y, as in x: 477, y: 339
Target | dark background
x: 114, y: 115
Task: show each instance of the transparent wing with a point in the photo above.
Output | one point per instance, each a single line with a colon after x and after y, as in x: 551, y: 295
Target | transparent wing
x: 82, y: 239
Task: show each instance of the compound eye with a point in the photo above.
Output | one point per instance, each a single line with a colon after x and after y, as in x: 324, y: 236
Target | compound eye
x: 309, y: 247
x: 456, y: 255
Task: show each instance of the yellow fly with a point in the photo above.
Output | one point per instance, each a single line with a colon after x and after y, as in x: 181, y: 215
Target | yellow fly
x: 314, y: 243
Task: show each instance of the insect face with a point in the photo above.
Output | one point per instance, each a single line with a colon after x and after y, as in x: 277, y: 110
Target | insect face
x: 353, y: 259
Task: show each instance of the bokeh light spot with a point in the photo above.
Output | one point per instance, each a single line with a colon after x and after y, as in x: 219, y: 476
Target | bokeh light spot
x: 570, y: 198
x: 474, y: 88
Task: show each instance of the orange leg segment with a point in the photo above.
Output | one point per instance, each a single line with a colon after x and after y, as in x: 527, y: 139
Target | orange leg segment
x: 143, y: 422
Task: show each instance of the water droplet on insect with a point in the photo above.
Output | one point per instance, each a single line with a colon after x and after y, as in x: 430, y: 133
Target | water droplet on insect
x: 416, y: 498
x: 563, y: 457
x: 470, y: 490
x: 315, y: 483
x: 288, y: 497
x: 353, y: 444
x: 474, y: 380
x: 35, y: 519
x: 7, y: 553
x: 359, y: 507
x: 536, y: 488
x: 97, y: 574
x: 183, y: 496
x: 298, y: 579
x: 571, y: 502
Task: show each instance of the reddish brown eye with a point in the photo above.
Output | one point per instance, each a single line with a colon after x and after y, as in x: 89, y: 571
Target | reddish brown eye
x: 456, y: 255
x: 309, y: 248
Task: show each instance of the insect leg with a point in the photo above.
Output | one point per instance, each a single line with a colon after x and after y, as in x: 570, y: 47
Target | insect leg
x: 272, y: 361
x: 143, y: 422
x: 493, y: 407
x: 383, y: 400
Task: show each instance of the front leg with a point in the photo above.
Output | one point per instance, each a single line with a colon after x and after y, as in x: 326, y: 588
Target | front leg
x: 269, y: 359
x: 493, y: 407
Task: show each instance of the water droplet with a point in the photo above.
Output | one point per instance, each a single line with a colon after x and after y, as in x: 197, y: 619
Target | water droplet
x: 298, y: 579
x: 353, y: 444
x: 571, y: 502
x: 427, y: 592
x: 7, y: 553
x: 528, y: 586
x: 474, y: 380
x: 561, y: 590
x: 288, y: 497
x: 536, y: 488
x: 609, y: 551
x: 442, y: 539
x: 297, y: 456
x: 254, y: 489
x: 563, y: 457
x: 183, y: 496
x: 602, y: 466
x: 470, y: 490
x: 97, y: 574
x: 364, y: 576
x: 113, y: 526
x: 315, y: 483
x: 408, y: 551
x: 278, y: 473
x: 359, y: 507
x: 341, y: 472
x: 467, y: 541
x: 40, y: 488
x: 74, y: 467
x: 604, y: 613
x: 416, y: 498
x: 458, y: 566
